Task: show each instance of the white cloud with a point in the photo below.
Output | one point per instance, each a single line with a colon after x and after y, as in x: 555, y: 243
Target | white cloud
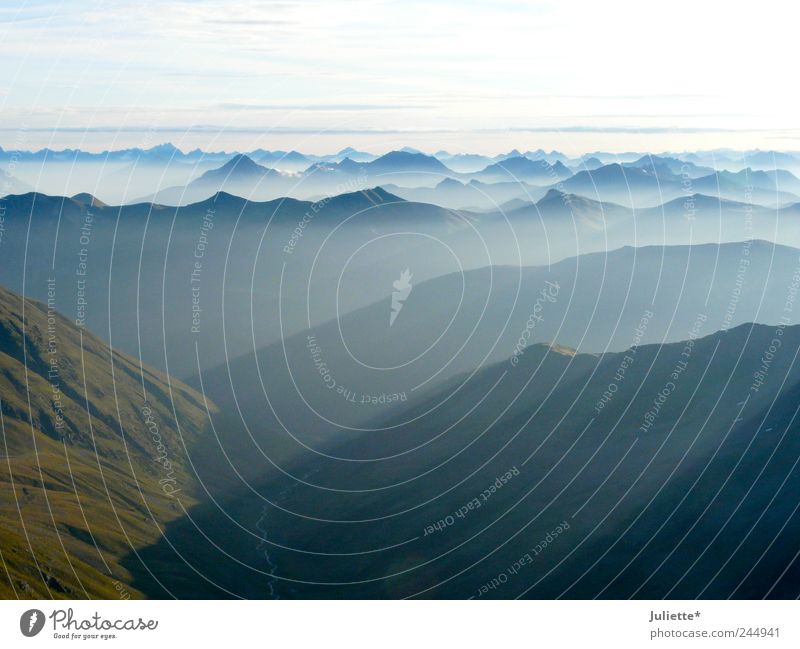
x: 471, y: 65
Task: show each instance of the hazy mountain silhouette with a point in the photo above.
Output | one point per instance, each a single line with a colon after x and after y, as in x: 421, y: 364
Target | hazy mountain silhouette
x: 139, y: 259
x: 667, y: 166
x: 464, y: 162
x: 287, y: 160
x: 521, y: 168
x: 690, y: 497
x: 565, y: 208
x: 394, y: 162
x: 651, y: 183
x: 460, y: 322
x: 240, y: 175
x: 473, y: 195
x: 588, y: 164
x: 745, y: 186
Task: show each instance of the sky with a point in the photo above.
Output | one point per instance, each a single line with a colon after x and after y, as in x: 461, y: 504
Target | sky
x: 465, y: 76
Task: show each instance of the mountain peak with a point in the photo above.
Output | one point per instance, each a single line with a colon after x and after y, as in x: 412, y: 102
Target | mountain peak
x: 222, y: 200
x: 167, y: 148
x: 376, y: 195
x: 539, y: 170
x: 407, y: 161
x: 403, y: 155
x: 241, y: 162
x: 239, y: 166
x: 87, y: 199
x: 551, y: 195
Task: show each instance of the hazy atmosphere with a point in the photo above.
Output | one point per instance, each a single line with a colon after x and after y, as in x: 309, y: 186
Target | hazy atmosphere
x: 376, y: 300
x: 468, y: 76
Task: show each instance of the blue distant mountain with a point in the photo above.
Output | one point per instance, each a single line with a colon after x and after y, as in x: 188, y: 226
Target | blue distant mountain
x: 522, y: 168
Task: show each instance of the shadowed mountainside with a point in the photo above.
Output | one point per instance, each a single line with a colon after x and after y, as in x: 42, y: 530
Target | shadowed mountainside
x: 682, y: 484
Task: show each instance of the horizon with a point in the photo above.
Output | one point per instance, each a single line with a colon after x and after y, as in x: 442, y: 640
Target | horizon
x: 433, y: 152
x: 573, y: 141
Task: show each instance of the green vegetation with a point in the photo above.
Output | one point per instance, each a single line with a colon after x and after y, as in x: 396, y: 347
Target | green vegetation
x: 93, y: 457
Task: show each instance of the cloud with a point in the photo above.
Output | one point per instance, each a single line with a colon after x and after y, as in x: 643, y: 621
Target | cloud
x: 323, y: 107
x: 218, y: 128
x: 399, y: 67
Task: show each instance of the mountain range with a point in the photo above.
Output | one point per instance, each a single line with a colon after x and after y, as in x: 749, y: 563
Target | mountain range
x: 581, y: 495
x: 285, y: 375
x: 644, y: 183
x: 165, y: 175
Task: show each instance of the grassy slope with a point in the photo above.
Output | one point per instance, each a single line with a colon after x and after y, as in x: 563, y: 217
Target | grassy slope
x: 75, y: 500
